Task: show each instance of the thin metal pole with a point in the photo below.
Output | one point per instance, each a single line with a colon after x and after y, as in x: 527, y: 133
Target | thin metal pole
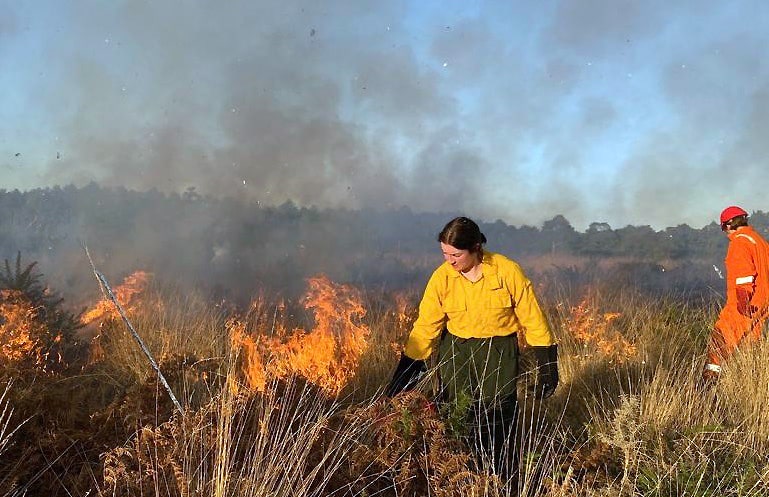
x: 106, y: 289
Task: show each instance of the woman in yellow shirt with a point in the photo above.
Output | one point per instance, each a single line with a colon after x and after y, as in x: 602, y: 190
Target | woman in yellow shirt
x: 474, y: 305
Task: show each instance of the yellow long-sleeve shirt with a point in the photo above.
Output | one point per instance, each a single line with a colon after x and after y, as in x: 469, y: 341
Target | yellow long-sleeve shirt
x: 500, y: 303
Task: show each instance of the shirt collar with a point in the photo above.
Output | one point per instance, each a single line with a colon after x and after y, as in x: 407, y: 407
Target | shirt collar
x: 488, y: 268
x: 742, y: 230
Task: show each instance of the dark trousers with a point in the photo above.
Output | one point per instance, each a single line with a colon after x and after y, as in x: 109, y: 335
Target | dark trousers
x: 478, y: 387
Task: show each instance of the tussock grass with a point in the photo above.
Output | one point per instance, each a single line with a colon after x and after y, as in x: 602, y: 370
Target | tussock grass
x: 657, y: 429
x: 171, y: 322
x: 629, y: 418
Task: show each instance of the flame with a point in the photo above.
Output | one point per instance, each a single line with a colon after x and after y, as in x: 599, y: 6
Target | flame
x: 327, y: 355
x: 19, y: 328
x: 593, y: 328
x: 253, y: 367
x: 405, y: 314
x: 405, y: 309
x: 126, y: 293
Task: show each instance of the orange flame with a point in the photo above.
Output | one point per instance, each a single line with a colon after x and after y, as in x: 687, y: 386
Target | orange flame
x: 19, y: 329
x: 405, y: 309
x: 405, y: 314
x: 253, y: 367
x: 326, y: 356
x: 592, y: 328
x: 126, y: 293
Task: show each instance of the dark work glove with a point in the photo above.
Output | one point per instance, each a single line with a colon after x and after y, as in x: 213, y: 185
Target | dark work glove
x: 547, y: 370
x: 406, y: 375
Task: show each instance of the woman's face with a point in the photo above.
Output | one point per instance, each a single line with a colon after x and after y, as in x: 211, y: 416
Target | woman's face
x: 460, y: 259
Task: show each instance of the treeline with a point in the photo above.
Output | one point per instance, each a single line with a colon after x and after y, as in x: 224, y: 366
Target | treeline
x: 234, y: 246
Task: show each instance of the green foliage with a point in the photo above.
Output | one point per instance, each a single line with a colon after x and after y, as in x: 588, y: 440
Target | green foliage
x: 729, y: 476
x: 405, y: 424
x: 455, y: 414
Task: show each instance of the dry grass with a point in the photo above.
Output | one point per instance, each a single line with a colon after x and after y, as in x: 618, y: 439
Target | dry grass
x: 630, y: 417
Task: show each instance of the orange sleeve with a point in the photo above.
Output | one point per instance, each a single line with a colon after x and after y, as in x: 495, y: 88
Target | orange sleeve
x: 740, y: 277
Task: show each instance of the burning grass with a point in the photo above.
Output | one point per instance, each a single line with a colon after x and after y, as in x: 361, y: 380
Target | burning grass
x: 278, y: 402
x: 594, y: 331
x: 128, y: 293
x: 26, y: 342
x: 327, y: 355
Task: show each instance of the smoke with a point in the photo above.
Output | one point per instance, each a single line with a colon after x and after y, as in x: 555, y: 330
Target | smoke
x: 263, y: 101
x: 625, y: 112
x: 716, y: 154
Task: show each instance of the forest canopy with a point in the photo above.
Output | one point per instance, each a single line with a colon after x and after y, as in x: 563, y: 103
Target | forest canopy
x: 236, y: 247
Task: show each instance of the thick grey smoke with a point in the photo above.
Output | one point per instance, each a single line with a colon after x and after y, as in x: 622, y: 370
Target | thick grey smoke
x: 262, y: 100
x: 626, y: 112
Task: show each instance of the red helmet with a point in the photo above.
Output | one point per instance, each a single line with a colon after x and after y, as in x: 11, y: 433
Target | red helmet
x: 731, y: 212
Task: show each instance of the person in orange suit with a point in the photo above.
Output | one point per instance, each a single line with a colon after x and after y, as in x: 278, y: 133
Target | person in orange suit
x: 745, y: 313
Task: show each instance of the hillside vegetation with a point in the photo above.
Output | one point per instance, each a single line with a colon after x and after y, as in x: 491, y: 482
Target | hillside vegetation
x: 233, y: 249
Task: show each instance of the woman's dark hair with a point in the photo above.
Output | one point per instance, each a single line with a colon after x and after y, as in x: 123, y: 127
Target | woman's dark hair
x: 735, y: 223
x: 462, y: 233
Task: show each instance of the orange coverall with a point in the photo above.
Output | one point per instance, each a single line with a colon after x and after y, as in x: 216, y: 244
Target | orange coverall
x: 747, y: 295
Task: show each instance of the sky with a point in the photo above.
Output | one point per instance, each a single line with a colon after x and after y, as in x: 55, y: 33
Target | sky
x: 626, y: 112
